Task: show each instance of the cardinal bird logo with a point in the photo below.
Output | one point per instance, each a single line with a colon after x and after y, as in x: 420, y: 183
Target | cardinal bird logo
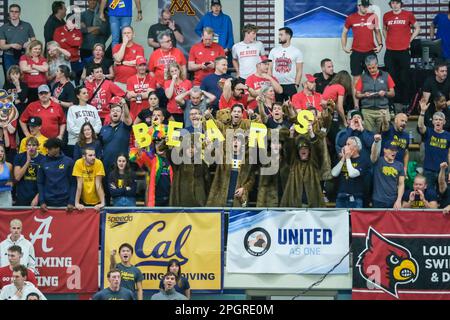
x: 386, y: 264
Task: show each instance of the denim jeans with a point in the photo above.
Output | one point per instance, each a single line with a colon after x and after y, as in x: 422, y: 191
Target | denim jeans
x: 116, y: 24
x: 8, y: 61
x: 383, y: 205
x: 343, y: 201
x: 124, y: 202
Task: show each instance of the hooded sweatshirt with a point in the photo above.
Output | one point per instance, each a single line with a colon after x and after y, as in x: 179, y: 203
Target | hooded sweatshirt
x: 28, y: 256
x: 55, y: 182
x: 79, y: 115
x: 222, y: 26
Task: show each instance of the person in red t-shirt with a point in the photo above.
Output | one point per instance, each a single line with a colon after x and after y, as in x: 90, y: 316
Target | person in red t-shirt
x: 234, y: 92
x: 202, y: 55
x: 70, y: 38
x: 175, y: 85
x: 308, y: 98
x: 34, y: 67
x: 101, y: 91
x: 257, y: 81
x: 397, y: 25
x: 363, y: 25
x: 139, y: 87
x: 125, y: 55
x: 51, y: 113
x: 6, y: 273
x: 339, y: 88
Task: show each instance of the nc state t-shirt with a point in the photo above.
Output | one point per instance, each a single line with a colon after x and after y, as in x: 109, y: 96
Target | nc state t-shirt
x: 248, y: 55
x: 398, y: 29
x: 362, y: 27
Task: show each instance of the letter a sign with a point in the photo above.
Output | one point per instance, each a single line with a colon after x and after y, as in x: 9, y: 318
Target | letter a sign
x: 182, y: 6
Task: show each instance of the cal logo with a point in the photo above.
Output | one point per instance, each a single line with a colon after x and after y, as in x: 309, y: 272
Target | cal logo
x: 61, y: 166
x: 115, y: 221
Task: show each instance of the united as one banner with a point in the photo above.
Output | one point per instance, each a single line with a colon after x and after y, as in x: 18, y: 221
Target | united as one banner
x: 66, y: 247
x: 401, y: 255
x: 298, y: 241
x: 194, y: 238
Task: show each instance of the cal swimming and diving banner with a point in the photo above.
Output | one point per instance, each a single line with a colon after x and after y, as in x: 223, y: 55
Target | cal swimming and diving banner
x: 65, y: 244
x: 401, y: 255
x: 193, y: 237
x: 298, y: 241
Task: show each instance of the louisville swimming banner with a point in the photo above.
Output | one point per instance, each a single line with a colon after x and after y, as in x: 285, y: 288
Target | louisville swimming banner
x: 300, y: 241
x: 65, y: 244
x: 401, y: 255
x: 194, y: 238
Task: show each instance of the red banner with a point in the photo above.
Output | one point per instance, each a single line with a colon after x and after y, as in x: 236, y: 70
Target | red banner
x: 401, y: 255
x: 66, y: 246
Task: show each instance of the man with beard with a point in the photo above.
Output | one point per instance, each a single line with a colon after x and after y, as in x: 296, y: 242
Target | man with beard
x: 169, y: 292
x: 306, y: 157
x: 324, y: 78
x: 436, y: 141
x: 308, y: 98
x: 233, y: 93
x: 421, y: 197
x: 287, y: 64
x: 114, y: 291
x: 388, y: 176
x: 131, y: 276
x: 89, y: 172
x: 165, y: 24
x: 396, y: 134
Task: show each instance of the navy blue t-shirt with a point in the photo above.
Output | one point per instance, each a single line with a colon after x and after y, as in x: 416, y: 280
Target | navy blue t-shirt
x: 209, y: 84
x: 385, y: 180
x: 26, y: 188
x: 354, y: 186
x: 430, y: 195
x: 108, y: 294
x: 115, y: 141
x: 400, y: 139
x: 436, y: 149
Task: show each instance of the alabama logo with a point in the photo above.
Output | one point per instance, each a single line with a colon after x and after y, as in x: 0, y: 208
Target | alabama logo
x: 386, y: 264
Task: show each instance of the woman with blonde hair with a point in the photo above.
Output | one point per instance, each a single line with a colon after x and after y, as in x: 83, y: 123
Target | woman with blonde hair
x: 174, y: 85
x: 34, y: 67
x: 98, y: 57
x: 56, y: 56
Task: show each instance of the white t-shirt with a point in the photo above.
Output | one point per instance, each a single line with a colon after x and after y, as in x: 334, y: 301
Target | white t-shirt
x: 284, y: 62
x: 248, y: 55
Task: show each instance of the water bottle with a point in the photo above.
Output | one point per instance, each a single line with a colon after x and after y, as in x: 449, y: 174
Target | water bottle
x: 335, y: 116
x: 411, y: 137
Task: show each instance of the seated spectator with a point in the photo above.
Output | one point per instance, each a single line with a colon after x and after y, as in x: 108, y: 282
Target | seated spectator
x: 195, y: 97
x: 89, y: 172
x: 308, y: 97
x: 131, y: 276
x: 214, y: 82
x: 139, y: 87
x: 122, y: 183
x: 439, y: 105
x: 420, y: 197
x: 20, y: 288
x: 182, y: 285
x: 324, y: 77
x: 169, y: 292
x: 338, y: 90
x: 94, y: 30
x: 374, y: 88
x: 55, y: 182
x: 350, y: 170
x: 125, y: 55
x: 146, y: 114
x: 355, y: 128
x: 101, y: 91
x: 34, y: 128
x: 98, y: 57
x: 165, y: 24
x: 6, y: 179
x: 15, y: 86
x: 15, y: 238
x: 436, y: 141
x: 70, y: 38
x: 175, y: 85
x: 50, y: 113
x: 56, y: 56
x: 26, y: 165
x: 78, y: 115
x: 55, y: 20
x: 87, y: 138
x: 34, y: 67
x: 388, y: 176
x: 63, y: 91
x: 234, y: 93
x: 12, y: 259
x: 114, y: 291
x: 396, y: 133
x: 202, y: 55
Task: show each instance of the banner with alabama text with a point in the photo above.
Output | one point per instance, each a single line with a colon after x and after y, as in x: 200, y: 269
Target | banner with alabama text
x: 193, y: 237
x: 400, y: 255
x: 295, y: 241
x: 65, y: 244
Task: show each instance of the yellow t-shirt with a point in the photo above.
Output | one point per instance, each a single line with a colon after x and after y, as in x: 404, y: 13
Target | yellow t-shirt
x: 88, y: 173
x: 41, y: 149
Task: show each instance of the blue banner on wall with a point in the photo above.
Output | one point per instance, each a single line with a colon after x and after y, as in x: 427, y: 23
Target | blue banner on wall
x: 317, y: 19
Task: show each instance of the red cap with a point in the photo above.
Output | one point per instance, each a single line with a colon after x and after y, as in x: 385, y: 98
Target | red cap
x: 141, y: 60
x: 310, y: 77
x: 264, y: 59
x: 116, y: 100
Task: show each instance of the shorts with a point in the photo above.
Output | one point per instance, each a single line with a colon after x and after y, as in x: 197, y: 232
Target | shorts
x: 357, y: 65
